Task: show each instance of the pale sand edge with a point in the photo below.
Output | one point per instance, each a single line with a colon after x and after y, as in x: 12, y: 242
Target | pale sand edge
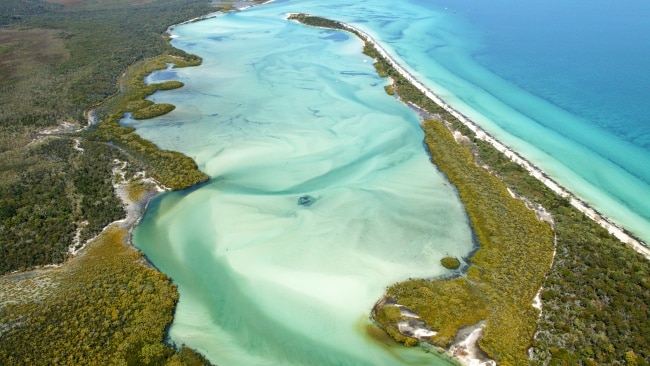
x: 536, y: 172
x: 469, y: 343
x: 134, y: 209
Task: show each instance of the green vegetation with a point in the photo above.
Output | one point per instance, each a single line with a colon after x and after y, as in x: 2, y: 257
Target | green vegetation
x: 172, y: 169
x: 57, y: 62
x: 506, y: 271
x: 104, y: 307
x: 56, y: 184
x: 596, y: 295
x: 56, y: 190
x: 450, y: 262
x: 317, y: 21
x: 170, y: 85
x: 153, y: 110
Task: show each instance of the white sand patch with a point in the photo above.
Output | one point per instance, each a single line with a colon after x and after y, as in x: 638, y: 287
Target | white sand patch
x: 63, y: 127
x: 466, y: 350
x: 91, y: 115
x: 134, y: 209
x: 76, y: 145
x: 413, y: 325
x: 406, y: 328
x: 76, y: 240
x: 537, y: 300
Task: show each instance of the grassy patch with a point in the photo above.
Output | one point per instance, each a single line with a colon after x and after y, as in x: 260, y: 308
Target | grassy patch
x: 153, y: 110
x: 137, y: 189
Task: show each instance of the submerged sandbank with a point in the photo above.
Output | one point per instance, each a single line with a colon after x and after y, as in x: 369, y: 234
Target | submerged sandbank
x: 304, y: 223
x: 479, y: 191
x: 605, y: 222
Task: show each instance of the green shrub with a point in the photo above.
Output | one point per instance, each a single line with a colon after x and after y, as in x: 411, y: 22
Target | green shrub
x: 450, y: 262
x: 154, y: 110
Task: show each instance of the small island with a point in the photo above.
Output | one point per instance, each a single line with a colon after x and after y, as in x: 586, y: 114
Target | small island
x: 450, y: 262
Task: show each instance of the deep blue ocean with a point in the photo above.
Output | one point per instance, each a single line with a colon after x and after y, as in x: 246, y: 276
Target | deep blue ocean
x: 576, y: 76
x: 566, y: 84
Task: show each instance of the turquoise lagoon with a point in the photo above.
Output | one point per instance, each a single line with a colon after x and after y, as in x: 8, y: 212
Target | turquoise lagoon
x: 321, y: 196
x: 322, y: 193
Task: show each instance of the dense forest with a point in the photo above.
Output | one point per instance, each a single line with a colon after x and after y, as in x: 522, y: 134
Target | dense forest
x: 595, y: 296
x: 65, y: 84
x: 58, y: 61
x: 105, y: 307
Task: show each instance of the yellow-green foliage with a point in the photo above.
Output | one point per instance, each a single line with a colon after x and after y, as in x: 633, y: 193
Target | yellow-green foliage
x: 153, y: 110
x: 587, y: 292
x: 450, y: 262
x: 137, y: 189
x: 169, y: 85
x: 171, y: 168
x: 507, y: 270
x: 445, y: 305
x: 515, y: 254
x: 103, y: 307
x: 388, y: 313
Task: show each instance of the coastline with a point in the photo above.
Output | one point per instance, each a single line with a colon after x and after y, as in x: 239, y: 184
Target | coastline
x: 456, y: 341
x: 558, y: 196
x: 613, y: 228
x: 212, y: 15
x: 512, y: 155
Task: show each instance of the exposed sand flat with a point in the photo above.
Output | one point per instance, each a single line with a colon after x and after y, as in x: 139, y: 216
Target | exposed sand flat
x: 466, y: 350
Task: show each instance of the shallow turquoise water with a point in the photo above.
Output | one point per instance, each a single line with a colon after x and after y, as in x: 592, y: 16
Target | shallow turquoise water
x: 322, y: 194
x: 564, y: 84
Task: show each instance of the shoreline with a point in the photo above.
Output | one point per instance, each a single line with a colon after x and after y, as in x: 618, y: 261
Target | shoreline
x: 209, y: 16
x: 613, y: 228
x: 465, y: 343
